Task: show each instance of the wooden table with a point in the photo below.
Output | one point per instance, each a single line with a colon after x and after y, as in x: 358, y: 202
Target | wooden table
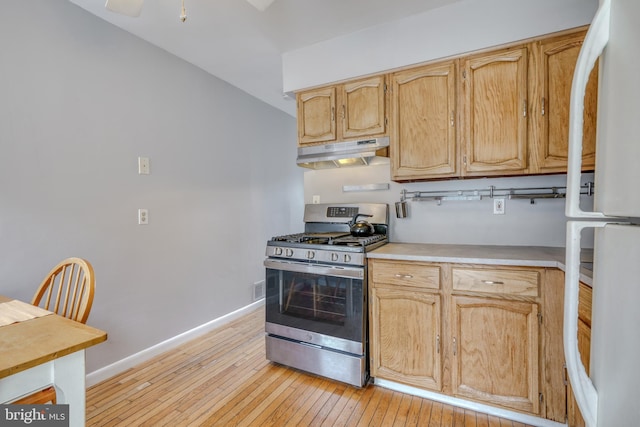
x: 46, y: 350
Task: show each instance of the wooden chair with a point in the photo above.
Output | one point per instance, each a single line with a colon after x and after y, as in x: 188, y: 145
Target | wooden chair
x: 67, y: 291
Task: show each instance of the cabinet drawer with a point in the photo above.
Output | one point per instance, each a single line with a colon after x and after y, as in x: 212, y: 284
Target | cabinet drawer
x: 496, y: 281
x: 404, y: 273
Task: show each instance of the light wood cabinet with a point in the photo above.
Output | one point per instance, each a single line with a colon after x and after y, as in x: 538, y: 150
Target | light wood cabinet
x: 424, y: 122
x: 405, y: 316
x: 346, y: 111
x: 495, y: 332
x: 553, y: 64
x: 502, y: 112
x: 574, y: 417
x: 465, y: 330
x: 405, y: 341
x: 495, y: 352
x: 494, y: 90
x: 317, y: 115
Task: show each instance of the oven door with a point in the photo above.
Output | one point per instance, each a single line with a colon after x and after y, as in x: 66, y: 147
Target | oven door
x: 323, y: 305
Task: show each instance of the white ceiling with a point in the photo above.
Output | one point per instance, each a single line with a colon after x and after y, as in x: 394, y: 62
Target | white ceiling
x: 232, y: 40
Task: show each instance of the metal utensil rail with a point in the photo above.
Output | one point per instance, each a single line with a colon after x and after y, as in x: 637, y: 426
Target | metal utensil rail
x: 531, y: 193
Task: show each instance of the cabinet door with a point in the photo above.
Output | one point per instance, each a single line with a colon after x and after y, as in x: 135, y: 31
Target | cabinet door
x: 405, y: 337
x: 317, y: 115
x: 555, y: 60
x: 495, y: 352
x: 423, y: 109
x: 363, y: 108
x: 495, y: 114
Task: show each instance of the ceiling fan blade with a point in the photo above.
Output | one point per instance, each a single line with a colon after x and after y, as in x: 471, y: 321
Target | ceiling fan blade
x: 261, y: 5
x: 125, y: 7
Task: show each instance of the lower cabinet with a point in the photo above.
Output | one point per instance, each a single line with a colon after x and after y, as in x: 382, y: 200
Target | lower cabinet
x: 476, y: 335
x: 405, y: 341
x: 495, y: 352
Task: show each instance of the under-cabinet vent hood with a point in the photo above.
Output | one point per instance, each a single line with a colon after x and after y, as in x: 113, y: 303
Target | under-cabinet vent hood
x: 343, y: 154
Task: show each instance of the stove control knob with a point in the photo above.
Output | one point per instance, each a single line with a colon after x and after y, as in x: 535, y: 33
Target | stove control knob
x: 334, y: 256
x: 347, y: 258
x: 288, y: 252
x: 278, y: 251
x: 311, y: 254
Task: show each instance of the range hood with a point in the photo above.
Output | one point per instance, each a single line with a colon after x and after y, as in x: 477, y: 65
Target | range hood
x: 343, y: 154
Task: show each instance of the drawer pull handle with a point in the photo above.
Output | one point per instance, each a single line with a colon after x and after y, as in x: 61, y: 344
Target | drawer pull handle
x: 438, y: 344
x: 404, y: 276
x: 491, y: 282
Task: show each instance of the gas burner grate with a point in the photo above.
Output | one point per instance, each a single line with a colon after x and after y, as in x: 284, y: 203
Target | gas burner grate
x: 359, y: 241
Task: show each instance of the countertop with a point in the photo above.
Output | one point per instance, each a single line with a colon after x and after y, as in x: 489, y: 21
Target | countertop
x: 529, y: 256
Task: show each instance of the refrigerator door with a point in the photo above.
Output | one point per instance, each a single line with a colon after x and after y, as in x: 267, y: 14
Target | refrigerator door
x: 615, y: 333
x: 609, y: 397
x: 594, y: 43
x: 583, y: 389
x: 618, y: 141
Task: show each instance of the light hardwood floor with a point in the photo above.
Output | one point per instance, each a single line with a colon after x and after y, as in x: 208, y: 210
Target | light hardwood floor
x: 224, y: 379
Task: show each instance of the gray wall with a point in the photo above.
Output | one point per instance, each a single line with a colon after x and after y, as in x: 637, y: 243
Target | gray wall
x: 460, y: 222
x: 80, y: 100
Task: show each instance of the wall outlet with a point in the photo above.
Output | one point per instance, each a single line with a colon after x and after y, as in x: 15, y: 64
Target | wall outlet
x: 143, y: 216
x: 143, y: 166
x: 316, y: 199
x: 498, y: 206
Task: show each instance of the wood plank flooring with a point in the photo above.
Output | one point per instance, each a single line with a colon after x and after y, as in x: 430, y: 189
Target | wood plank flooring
x: 224, y: 379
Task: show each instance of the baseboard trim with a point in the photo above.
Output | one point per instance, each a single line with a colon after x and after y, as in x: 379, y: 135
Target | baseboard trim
x: 122, y: 365
x: 466, y: 404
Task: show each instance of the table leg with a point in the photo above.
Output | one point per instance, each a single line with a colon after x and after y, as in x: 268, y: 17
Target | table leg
x: 66, y: 373
x: 69, y: 380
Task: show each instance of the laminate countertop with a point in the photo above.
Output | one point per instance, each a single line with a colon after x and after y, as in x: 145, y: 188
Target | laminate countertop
x: 529, y: 256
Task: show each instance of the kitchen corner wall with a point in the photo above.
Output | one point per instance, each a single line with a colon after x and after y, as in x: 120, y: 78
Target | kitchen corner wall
x: 80, y: 100
x: 451, y: 30
x: 461, y: 222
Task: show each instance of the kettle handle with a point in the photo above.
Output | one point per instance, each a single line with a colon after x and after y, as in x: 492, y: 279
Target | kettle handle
x: 355, y: 218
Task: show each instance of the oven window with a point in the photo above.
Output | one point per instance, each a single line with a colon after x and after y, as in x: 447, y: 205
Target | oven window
x: 323, y: 298
x: 324, y: 304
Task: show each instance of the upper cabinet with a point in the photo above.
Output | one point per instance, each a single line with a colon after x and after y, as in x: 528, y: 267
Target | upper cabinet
x: 317, y: 115
x: 499, y: 112
x: 554, y: 61
x: 424, y: 122
x: 494, y: 95
x: 341, y: 112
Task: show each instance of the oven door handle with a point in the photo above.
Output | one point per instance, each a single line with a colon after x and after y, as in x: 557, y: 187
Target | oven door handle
x: 325, y: 270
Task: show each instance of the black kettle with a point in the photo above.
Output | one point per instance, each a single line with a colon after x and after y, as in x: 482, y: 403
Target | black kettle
x: 361, y: 228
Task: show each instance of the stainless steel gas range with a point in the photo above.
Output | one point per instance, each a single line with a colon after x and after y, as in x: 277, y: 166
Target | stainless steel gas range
x: 316, y: 292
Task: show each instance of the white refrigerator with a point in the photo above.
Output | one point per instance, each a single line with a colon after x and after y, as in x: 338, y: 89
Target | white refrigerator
x: 610, y: 397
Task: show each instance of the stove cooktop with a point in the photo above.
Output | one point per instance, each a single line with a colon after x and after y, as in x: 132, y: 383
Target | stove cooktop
x: 329, y: 239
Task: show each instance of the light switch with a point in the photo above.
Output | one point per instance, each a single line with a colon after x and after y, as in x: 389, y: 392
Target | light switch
x: 143, y: 166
